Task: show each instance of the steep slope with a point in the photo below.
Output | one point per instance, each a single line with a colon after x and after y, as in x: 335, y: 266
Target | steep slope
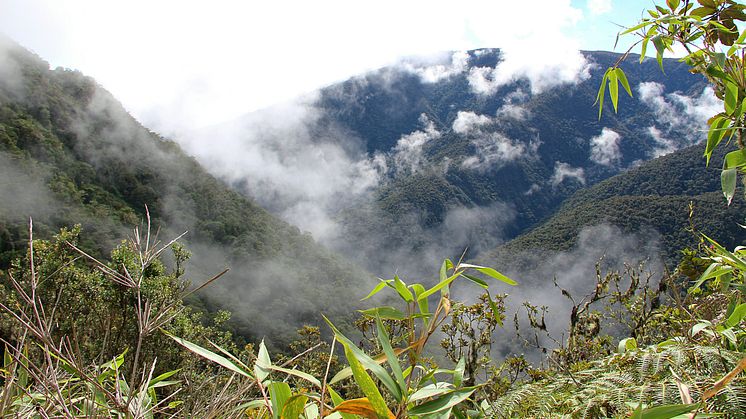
x: 70, y: 153
x: 652, y: 201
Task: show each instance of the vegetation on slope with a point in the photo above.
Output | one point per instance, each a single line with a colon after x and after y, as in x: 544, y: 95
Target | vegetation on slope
x: 71, y: 154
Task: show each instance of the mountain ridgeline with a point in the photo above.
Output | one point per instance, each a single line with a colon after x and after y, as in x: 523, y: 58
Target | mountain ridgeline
x: 71, y: 154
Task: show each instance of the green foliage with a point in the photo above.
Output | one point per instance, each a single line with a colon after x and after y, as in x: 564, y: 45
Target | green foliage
x: 714, y: 44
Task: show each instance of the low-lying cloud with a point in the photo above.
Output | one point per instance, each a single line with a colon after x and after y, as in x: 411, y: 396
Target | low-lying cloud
x: 280, y: 159
x: 678, y: 116
x: 575, y: 271
x: 571, y: 67
x: 433, y: 73
x: 564, y: 171
x: 605, y: 148
x: 408, y: 152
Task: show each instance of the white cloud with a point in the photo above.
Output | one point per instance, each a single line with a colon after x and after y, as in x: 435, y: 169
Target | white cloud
x: 564, y: 171
x: 407, y: 153
x: 278, y: 158
x: 467, y: 121
x: 533, y: 189
x: 511, y: 111
x: 437, y: 72
x: 599, y: 7
x: 178, y: 65
x: 677, y: 116
x: 493, y: 150
x: 605, y: 148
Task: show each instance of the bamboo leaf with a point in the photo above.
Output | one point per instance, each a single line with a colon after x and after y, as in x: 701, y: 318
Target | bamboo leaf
x: 491, y: 273
x: 614, y: 89
x: 300, y: 374
x: 393, y: 360
x: 262, y: 364
x: 366, y: 384
x: 402, y: 289
x: 209, y: 355
x: 294, y: 406
x: 337, y: 400
x: 367, y: 361
x: 443, y: 402
x: 623, y: 80
x: 381, y: 285
x: 360, y: 407
x: 728, y: 179
x: 731, y: 97
x: 386, y: 312
x: 279, y: 393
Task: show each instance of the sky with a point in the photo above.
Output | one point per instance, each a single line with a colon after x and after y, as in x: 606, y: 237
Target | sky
x: 178, y: 65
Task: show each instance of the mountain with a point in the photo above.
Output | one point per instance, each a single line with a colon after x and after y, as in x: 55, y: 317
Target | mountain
x: 70, y: 153
x: 417, y: 161
x: 651, y: 201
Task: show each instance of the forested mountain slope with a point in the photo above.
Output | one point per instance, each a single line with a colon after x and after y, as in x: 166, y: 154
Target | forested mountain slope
x: 651, y: 200
x: 70, y: 153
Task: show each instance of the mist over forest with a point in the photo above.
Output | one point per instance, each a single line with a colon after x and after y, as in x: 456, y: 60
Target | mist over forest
x: 403, y: 179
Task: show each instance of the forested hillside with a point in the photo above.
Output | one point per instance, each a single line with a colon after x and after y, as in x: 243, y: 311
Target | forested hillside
x: 70, y: 154
x: 651, y: 200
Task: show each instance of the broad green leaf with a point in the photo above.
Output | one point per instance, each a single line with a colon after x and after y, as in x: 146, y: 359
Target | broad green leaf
x: 672, y: 4
x: 294, y: 406
x: 366, y: 384
x: 262, y: 364
x: 443, y: 273
x: 728, y: 179
x: 386, y: 312
x: 458, y: 372
x: 279, y: 393
x: 381, y: 285
x: 731, y: 97
x: 423, y: 304
x: 393, y: 360
x: 735, y: 159
x: 731, y: 336
x: 367, y: 361
x: 715, y: 135
x: 660, y: 48
x: 627, y: 344
x: 430, y: 390
x: 739, y: 313
x: 209, y: 355
x: 491, y: 273
x: 697, y: 328
x: 402, y: 289
x: 443, y: 402
x: 666, y: 412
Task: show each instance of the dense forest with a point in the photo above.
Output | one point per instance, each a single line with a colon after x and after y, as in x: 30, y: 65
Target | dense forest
x: 137, y: 281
